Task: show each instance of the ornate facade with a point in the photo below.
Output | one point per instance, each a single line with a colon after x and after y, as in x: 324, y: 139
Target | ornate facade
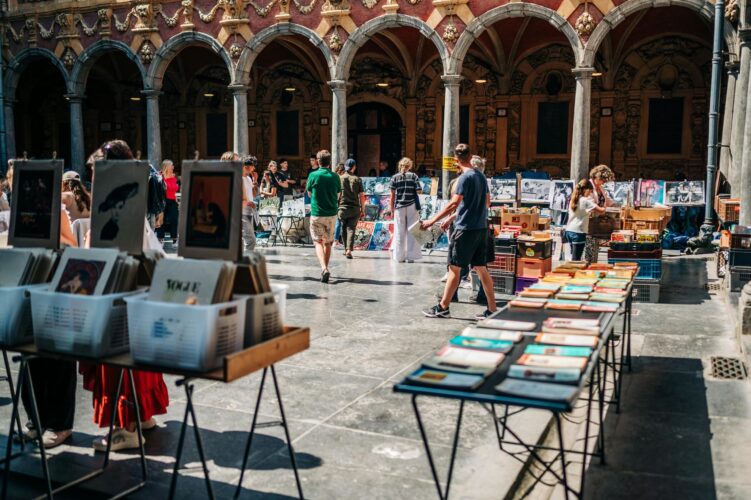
x: 551, y: 85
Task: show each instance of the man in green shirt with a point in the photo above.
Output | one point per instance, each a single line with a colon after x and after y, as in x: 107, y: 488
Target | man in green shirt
x: 324, y: 187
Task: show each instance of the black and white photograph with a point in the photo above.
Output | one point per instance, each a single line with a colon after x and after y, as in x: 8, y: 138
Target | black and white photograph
x: 35, y: 207
x: 560, y: 195
x: 684, y: 193
x: 621, y: 192
x: 535, y: 190
x: 502, y: 189
x: 118, y: 207
x: 210, y: 219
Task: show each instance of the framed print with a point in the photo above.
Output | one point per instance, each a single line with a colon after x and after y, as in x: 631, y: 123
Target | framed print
x: 684, y: 193
x: 560, y: 195
x: 118, y: 204
x: 651, y: 192
x: 535, y: 190
x: 210, y: 210
x: 502, y: 189
x: 36, y: 204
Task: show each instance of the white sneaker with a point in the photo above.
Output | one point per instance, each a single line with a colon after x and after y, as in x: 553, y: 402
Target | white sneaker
x: 445, y: 278
x: 121, y: 440
x: 50, y: 439
x: 466, y: 284
x: 149, y: 424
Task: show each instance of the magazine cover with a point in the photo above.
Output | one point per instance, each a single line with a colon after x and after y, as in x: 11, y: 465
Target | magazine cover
x: 684, y: 193
x: 383, y: 234
x: 502, y: 189
x: 620, y: 192
x: 651, y: 192
x: 118, y: 204
x: 363, y: 233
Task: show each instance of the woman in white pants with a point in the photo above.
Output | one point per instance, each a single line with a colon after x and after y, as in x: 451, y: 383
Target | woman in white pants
x: 405, y: 186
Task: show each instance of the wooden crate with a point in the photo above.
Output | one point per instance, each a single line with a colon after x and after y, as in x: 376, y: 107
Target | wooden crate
x: 728, y: 209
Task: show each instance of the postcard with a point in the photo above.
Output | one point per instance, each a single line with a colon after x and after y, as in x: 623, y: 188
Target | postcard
x: 84, y: 271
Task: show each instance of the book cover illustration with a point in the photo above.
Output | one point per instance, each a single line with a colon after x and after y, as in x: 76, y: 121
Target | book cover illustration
x: 363, y: 234
x: 503, y: 346
x: 551, y: 350
x: 544, y: 374
x: 81, y: 277
x: 209, y: 210
x: 651, y: 192
x: 567, y: 340
x: 445, y: 379
x: 186, y: 281
x: 383, y: 235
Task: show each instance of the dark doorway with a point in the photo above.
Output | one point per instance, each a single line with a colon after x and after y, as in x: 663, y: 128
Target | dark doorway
x: 216, y: 134
x: 374, y: 135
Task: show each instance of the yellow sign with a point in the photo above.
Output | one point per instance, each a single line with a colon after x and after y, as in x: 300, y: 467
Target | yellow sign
x: 448, y: 163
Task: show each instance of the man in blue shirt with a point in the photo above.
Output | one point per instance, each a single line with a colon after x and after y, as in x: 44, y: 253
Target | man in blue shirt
x: 469, y: 240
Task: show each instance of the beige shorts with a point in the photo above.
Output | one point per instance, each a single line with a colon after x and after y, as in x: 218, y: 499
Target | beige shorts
x: 322, y: 228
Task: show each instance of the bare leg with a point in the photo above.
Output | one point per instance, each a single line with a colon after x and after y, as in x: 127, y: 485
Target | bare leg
x: 452, y: 284
x: 487, y: 286
x: 326, y: 255
x: 321, y: 254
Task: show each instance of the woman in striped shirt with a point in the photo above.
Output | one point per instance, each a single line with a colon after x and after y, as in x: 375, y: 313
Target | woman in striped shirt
x: 405, y: 186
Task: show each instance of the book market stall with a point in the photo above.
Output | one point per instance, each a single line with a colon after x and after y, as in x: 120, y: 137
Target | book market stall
x: 554, y: 347
x: 210, y: 314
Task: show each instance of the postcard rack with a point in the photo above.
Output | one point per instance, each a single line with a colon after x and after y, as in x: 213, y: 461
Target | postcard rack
x: 15, y: 315
x: 91, y: 326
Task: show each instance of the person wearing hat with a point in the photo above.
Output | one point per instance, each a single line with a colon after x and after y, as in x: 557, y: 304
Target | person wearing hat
x: 350, y: 205
x: 75, y: 197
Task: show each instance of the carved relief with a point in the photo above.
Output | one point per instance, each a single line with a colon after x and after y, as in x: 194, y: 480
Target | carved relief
x: 146, y: 52
x: 450, y: 33
x: 69, y: 58
x: 732, y: 11
x: 585, y: 24
x: 335, y: 41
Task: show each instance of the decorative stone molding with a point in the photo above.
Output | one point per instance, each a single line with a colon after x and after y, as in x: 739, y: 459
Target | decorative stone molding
x: 235, y: 50
x: 69, y: 58
x: 585, y: 24
x: 732, y: 11
x: 335, y: 41
x: 146, y: 52
x: 450, y: 33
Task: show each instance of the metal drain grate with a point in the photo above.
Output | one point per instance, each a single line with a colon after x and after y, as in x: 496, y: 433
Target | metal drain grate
x: 728, y: 368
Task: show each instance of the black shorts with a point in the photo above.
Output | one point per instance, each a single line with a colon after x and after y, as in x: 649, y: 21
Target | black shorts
x: 468, y: 248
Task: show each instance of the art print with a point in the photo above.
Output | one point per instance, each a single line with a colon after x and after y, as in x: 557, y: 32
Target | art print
x: 118, y: 206
x: 210, y: 212
x: 560, y: 195
x: 425, y: 184
x: 363, y: 233
x: 80, y: 277
x: 376, y: 185
x: 383, y: 234
x: 35, y: 210
x: 427, y: 206
x: 535, y: 190
x: 651, y: 192
x: 502, y: 189
x: 384, y: 203
x: 368, y: 184
x: 293, y: 208
x: 684, y: 193
x: 268, y: 206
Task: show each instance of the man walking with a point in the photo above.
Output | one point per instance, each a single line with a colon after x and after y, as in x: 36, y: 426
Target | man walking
x: 324, y: 187
x: 350, y: 205
x: 249, y: 206
x: 469, y: 239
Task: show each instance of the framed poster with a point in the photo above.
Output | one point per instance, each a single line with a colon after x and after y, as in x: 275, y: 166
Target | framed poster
x: 684, y: 193
x: 502, y: 189
x: 560, y: 195
x: 36, y: 204
x: 535, y: 190
x: 209, y: 224
x: 118, y: 204
x: 651, y: 192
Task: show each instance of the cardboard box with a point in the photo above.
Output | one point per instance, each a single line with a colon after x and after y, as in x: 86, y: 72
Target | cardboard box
x: 527, y: 219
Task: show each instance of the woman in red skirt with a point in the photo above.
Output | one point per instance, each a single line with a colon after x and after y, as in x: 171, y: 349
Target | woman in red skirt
x: 153, y: 398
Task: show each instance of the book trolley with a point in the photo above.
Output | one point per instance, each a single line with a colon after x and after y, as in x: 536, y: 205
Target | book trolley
x: 605, y: 367
x: 94, y: 329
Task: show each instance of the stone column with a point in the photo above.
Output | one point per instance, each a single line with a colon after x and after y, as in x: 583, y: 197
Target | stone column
x: 153, y: 128
x: 737, y: 137
x: 77, y: 159
x: 582, y: 129
x: 745, y: 174
x: 727, y: 120
x: 338, y: 122
x: 450, y: 124
x: 10, y: 130
x: 240, y: 137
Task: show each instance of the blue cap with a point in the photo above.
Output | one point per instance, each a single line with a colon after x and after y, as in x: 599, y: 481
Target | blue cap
x: 349, y: 164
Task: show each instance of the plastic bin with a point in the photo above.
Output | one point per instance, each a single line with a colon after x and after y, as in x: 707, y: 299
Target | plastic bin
x: 524, y: 283
x: 649, y: 269
x: 646, y: 291
x: 505, y: 245
x: 15, y: 314
x: 191, y: 337
x: 542, y: 249
x: 740, y: 241
x: 737, y: 277
x: 264, y: 318
x: 739, y: 258
x: 503, y: 262
x: 91, y: 326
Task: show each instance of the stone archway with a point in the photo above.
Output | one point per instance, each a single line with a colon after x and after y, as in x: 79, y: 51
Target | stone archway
x: 481, y: 23
x: 18, y: 64
x: 173, y: 46
x: 80, y: 73
x: 364, y: 32
x: 264, y: 37
x: 703, y: 8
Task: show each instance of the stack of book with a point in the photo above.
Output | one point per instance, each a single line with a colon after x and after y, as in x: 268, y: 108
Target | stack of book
x: 94, y: 271
x: 469, y: 358
x: 26, y: 266
x: 192, y: 281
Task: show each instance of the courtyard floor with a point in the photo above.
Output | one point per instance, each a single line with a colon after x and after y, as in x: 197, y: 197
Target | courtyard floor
x: 680, y: 434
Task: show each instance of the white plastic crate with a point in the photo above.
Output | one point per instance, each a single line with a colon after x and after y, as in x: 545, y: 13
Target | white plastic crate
x: 265, y: 315
x: 646, y: 291
x: 92, y: 326
x: 191, y: 337
x: 737, y: 277
x: 503, y: 283
x: 15, y: 314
